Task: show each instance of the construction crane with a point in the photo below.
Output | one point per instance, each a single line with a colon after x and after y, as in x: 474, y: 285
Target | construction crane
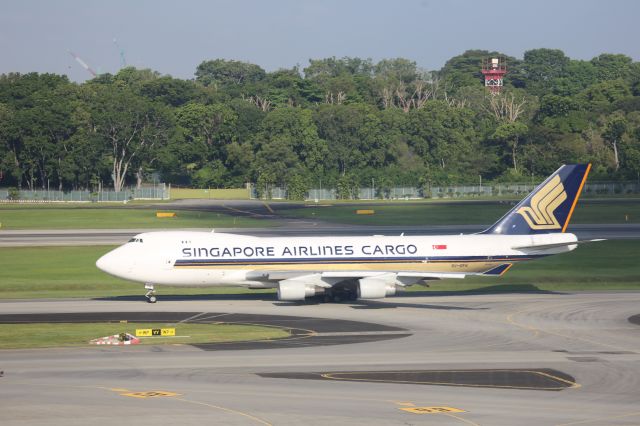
x: 83, y: 64
x: 123, y: 60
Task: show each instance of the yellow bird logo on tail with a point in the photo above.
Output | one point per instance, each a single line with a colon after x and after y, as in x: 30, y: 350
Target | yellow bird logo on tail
x: 543, y: 204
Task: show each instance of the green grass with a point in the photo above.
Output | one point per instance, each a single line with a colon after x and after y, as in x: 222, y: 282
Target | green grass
x: 434, y: 213
x: 54, y: 272
x: 607, y: 265
x: 21, y: 336
x: 58, y: 272
x: 76, y: 217
x: 214, y: 194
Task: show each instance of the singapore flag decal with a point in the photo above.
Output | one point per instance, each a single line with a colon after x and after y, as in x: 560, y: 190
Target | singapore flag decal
x: 439, y: 246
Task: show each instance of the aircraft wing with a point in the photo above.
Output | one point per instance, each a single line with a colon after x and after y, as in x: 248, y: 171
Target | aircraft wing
x: 364, y: 284
x: 330, y: 278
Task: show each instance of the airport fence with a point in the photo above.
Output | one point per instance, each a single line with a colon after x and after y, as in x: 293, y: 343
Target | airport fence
x: 499, y: 190
x: 156, y: 192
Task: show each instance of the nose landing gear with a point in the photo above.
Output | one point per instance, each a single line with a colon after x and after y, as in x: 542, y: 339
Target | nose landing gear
x: 151, y: 294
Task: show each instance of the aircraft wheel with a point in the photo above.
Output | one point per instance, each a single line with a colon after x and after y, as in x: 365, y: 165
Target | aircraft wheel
x: 152, y: 299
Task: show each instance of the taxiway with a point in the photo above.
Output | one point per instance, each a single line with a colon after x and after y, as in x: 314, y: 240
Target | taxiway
x: 24, y: 238
x: 585, y: 339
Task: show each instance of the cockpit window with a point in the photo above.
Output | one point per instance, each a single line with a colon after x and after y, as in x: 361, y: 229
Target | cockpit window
x: 135, y: 240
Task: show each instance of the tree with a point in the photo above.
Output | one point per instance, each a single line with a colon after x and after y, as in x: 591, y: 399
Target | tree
x: 577, y: 76
x: 445, y: 138
x: 323, y: 69
x: 614, y: 130
x: 170, y: 91
x: 599, y: 97
x: 131, y: 127
x: 352, y: 133
x: 347, y: 187
x: 9, y: 163
x: 611, y: 66
x: 510, y: 133
x: 540, y: 67
x: 297, y: 187
x: 288, y: 139
x: 205, y: 131
x: 222, y: 73
x: 134, y: 78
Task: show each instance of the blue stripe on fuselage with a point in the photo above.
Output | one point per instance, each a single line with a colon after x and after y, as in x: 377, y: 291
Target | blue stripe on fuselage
x: 334, y: 260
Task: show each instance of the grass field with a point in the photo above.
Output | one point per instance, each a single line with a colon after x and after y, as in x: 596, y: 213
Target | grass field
x: 607, y: 265
x: 70, y: 216
x: 20, y: 336
x: 434, y: 213
x: 82, y: 217
x: 55, y: 272
x: 214, y: 194
x: 49, y: 272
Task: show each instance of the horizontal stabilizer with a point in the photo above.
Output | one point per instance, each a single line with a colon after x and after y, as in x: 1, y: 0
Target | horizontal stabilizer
x: 555, y: 245
x: 498, y: 270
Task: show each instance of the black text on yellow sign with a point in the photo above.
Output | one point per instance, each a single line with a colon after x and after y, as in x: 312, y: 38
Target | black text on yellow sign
x: 149, y: 332
x: 432, y: 410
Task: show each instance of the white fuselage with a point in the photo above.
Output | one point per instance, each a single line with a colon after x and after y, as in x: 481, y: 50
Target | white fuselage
x: 217, y: 259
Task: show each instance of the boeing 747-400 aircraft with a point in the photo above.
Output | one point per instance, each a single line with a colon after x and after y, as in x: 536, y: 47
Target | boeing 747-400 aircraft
x: 340, y: 267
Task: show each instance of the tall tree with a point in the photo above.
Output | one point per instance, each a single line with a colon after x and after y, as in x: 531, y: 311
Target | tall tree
x: 614, y: 130
x: 131, y: 127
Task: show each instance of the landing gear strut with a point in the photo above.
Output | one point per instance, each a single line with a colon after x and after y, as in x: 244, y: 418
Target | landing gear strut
x: 151, y: 294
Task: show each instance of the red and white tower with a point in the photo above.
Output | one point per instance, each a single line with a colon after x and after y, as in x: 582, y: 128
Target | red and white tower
x: 494, y: 70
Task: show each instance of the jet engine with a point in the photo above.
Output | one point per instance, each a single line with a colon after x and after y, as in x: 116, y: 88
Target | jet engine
x: 373, y: 288
x: 288, y: 290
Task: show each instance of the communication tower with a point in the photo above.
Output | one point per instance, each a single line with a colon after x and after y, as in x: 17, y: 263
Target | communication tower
x: 494, y: 70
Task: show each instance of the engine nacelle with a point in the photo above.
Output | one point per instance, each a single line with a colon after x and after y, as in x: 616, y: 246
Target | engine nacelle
x: 294, y: 290
x: 372, y: 288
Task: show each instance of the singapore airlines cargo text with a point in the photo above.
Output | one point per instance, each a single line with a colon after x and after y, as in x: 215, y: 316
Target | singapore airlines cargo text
x: 270, y: 251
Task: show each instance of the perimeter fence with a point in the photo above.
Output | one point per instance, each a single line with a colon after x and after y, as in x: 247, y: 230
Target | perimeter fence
x: 14, y: 195
x: 163, y: 192
x: 500, y: 190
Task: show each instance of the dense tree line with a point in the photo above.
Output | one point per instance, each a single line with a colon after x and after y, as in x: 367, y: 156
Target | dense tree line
x: 341, y: 122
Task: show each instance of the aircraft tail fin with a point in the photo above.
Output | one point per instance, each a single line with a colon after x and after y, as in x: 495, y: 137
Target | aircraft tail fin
x: 549, y: 207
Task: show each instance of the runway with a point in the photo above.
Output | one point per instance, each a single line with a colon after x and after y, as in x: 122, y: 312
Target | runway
x: 589, y: 340
x: 23, y: 238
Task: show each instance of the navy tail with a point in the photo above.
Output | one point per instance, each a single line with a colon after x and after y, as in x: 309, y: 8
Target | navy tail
x: 549, y: 207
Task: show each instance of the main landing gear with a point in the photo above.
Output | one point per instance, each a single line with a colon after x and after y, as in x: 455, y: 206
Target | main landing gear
x: 151, y: 294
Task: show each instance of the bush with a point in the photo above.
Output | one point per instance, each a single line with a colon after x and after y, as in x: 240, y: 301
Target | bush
x: 297, y: 187
x: 14, y: 194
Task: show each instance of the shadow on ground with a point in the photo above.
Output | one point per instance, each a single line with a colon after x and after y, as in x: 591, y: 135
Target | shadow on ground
x: 495, y: 289
x: 184, y: 297
x: 271, y: 297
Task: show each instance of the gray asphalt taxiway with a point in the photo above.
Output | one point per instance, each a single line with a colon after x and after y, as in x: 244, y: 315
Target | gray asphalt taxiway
x: 486, y: 359
x: 21, y: 238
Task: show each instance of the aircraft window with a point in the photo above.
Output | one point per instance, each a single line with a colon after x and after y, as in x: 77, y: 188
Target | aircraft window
x: 135, y: 240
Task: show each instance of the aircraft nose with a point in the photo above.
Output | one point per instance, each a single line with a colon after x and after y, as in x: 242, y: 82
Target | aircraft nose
x: 107, y: 263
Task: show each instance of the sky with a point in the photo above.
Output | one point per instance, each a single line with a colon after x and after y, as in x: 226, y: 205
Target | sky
x: 173, y: 37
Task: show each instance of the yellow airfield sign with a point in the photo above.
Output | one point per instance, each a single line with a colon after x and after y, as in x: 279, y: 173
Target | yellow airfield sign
x: 150, y: 332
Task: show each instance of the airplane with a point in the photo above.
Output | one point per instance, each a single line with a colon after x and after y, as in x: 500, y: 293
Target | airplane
x: 349, y: 267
